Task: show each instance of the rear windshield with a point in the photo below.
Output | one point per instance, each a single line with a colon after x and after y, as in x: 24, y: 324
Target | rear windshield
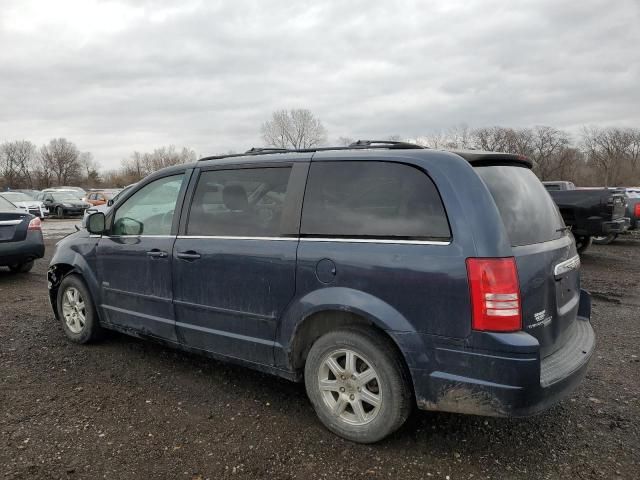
x: 6, y: 204
x: 528, y: 212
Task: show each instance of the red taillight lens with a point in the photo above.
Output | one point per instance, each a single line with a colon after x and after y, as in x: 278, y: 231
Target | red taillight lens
x: 35, y: 224
x: 495, y: 294
x: 636, y: 210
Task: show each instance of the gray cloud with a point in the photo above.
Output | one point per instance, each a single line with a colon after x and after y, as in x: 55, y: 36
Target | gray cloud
x: 115, y: 77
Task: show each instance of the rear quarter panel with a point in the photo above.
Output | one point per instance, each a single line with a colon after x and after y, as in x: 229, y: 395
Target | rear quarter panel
x: 405, y: 287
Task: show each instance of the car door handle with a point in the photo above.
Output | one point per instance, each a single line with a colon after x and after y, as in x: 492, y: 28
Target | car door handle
x: 157, y: 254
x: 189, y: 255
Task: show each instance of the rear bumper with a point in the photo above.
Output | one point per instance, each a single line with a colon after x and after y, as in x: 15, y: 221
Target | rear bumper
x: 618, y: 225
x: 510, y: 380
x: 30, y: 248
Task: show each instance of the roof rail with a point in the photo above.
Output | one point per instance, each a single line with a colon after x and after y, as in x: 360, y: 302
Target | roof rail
x: 385, y: 144
x: 359, y: 145
x: 258, y: 150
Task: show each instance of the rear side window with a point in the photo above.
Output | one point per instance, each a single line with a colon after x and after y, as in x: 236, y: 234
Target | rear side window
x: 245, y: 202
x: 528, y: 212
x: 372, y: 199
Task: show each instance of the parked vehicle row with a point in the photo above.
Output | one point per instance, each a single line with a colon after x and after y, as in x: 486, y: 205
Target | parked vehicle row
x: 383, y: 275
x: 25, y: 202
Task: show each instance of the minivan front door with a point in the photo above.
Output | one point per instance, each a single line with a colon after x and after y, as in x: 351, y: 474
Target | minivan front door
x: 234, y: 266
x: 134, y: 260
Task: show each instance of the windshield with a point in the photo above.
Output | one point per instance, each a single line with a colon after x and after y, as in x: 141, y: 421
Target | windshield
x: 528, y: 212
x: 6, y: 204
x: 64, y: 197
x: 17, y: 197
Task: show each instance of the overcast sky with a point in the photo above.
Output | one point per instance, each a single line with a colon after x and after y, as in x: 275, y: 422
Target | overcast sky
x: 115, y: 77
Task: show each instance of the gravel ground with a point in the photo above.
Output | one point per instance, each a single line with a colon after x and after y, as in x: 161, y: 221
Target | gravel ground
x: 129, y: 409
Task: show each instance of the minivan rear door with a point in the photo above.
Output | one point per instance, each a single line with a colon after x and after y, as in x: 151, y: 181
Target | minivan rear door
x: 546, y: 257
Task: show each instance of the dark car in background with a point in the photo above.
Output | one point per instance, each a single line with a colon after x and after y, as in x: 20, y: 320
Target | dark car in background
x: 632, y: 196
x: 590, y: 212
x: 63, y: 204
x: 383, y: 275
x: 21, y: 241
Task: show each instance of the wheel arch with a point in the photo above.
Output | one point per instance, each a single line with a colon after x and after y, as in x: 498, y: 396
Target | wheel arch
x: 60, y: 270
x: 332, y: 308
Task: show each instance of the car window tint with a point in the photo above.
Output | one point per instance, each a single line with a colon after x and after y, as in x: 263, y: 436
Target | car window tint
x: 150, y: 210
x: 528, y: 212
x: 243, y: 202
x: 372, y: 199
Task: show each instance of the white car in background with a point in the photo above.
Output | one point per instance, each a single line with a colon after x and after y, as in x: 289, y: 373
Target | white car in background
x: 25, y: 202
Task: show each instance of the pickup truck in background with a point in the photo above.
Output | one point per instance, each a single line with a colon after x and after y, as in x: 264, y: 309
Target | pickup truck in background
x: 590, y: 212
x: 632, y: 196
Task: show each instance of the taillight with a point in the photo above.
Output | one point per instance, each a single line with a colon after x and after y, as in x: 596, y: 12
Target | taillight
x: 495, y: 294
x: 35, y: 224
x: 636, y: 210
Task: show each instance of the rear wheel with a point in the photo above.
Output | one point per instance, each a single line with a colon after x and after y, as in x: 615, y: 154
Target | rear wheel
x: 59, y: 212
x: 21, y: 267
x: 76, y: 311
x: 605, y: 240
x: 357, y: 384
x: 582, y: 243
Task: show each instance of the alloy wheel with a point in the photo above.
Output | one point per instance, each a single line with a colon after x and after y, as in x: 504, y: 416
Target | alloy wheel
x: 350, y: 387
x: 73, y: 310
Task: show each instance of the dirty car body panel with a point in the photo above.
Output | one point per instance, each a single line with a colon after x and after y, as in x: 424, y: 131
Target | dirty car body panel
x: 246, y: 297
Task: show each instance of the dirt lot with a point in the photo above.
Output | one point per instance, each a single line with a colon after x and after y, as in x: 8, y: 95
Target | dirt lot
x: 128, y: 409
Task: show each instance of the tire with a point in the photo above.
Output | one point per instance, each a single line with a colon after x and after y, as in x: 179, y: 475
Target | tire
x: 582, y: 243
x: 22, y: 267
x: 84, y: 326
x: 387, y: 384
x: 59, y: 212
x: 605, y: 240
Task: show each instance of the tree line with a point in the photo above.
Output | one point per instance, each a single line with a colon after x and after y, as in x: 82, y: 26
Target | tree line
x: 608, y: 156
x: 61, y: 163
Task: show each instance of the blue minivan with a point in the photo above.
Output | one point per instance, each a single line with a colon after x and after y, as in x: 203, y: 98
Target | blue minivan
x: 383, y: 275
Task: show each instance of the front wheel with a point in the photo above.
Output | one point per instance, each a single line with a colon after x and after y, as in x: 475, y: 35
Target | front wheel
x: 358, y: 384
x: 76, y: 311
x: 606, y: 239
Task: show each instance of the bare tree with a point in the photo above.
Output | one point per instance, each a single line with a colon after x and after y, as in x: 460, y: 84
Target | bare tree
x: 90, y: 170
x: 296, y: 128
x: 549, y: 151
x: 141, y: 164
x: 61, y: 157
x: 609, y: 150
x: 17, y: 163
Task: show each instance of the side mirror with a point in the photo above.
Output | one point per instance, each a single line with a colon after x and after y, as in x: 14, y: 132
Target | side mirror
x: 110, y: 202
x: 96, y: 223
x: 127, y: 226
